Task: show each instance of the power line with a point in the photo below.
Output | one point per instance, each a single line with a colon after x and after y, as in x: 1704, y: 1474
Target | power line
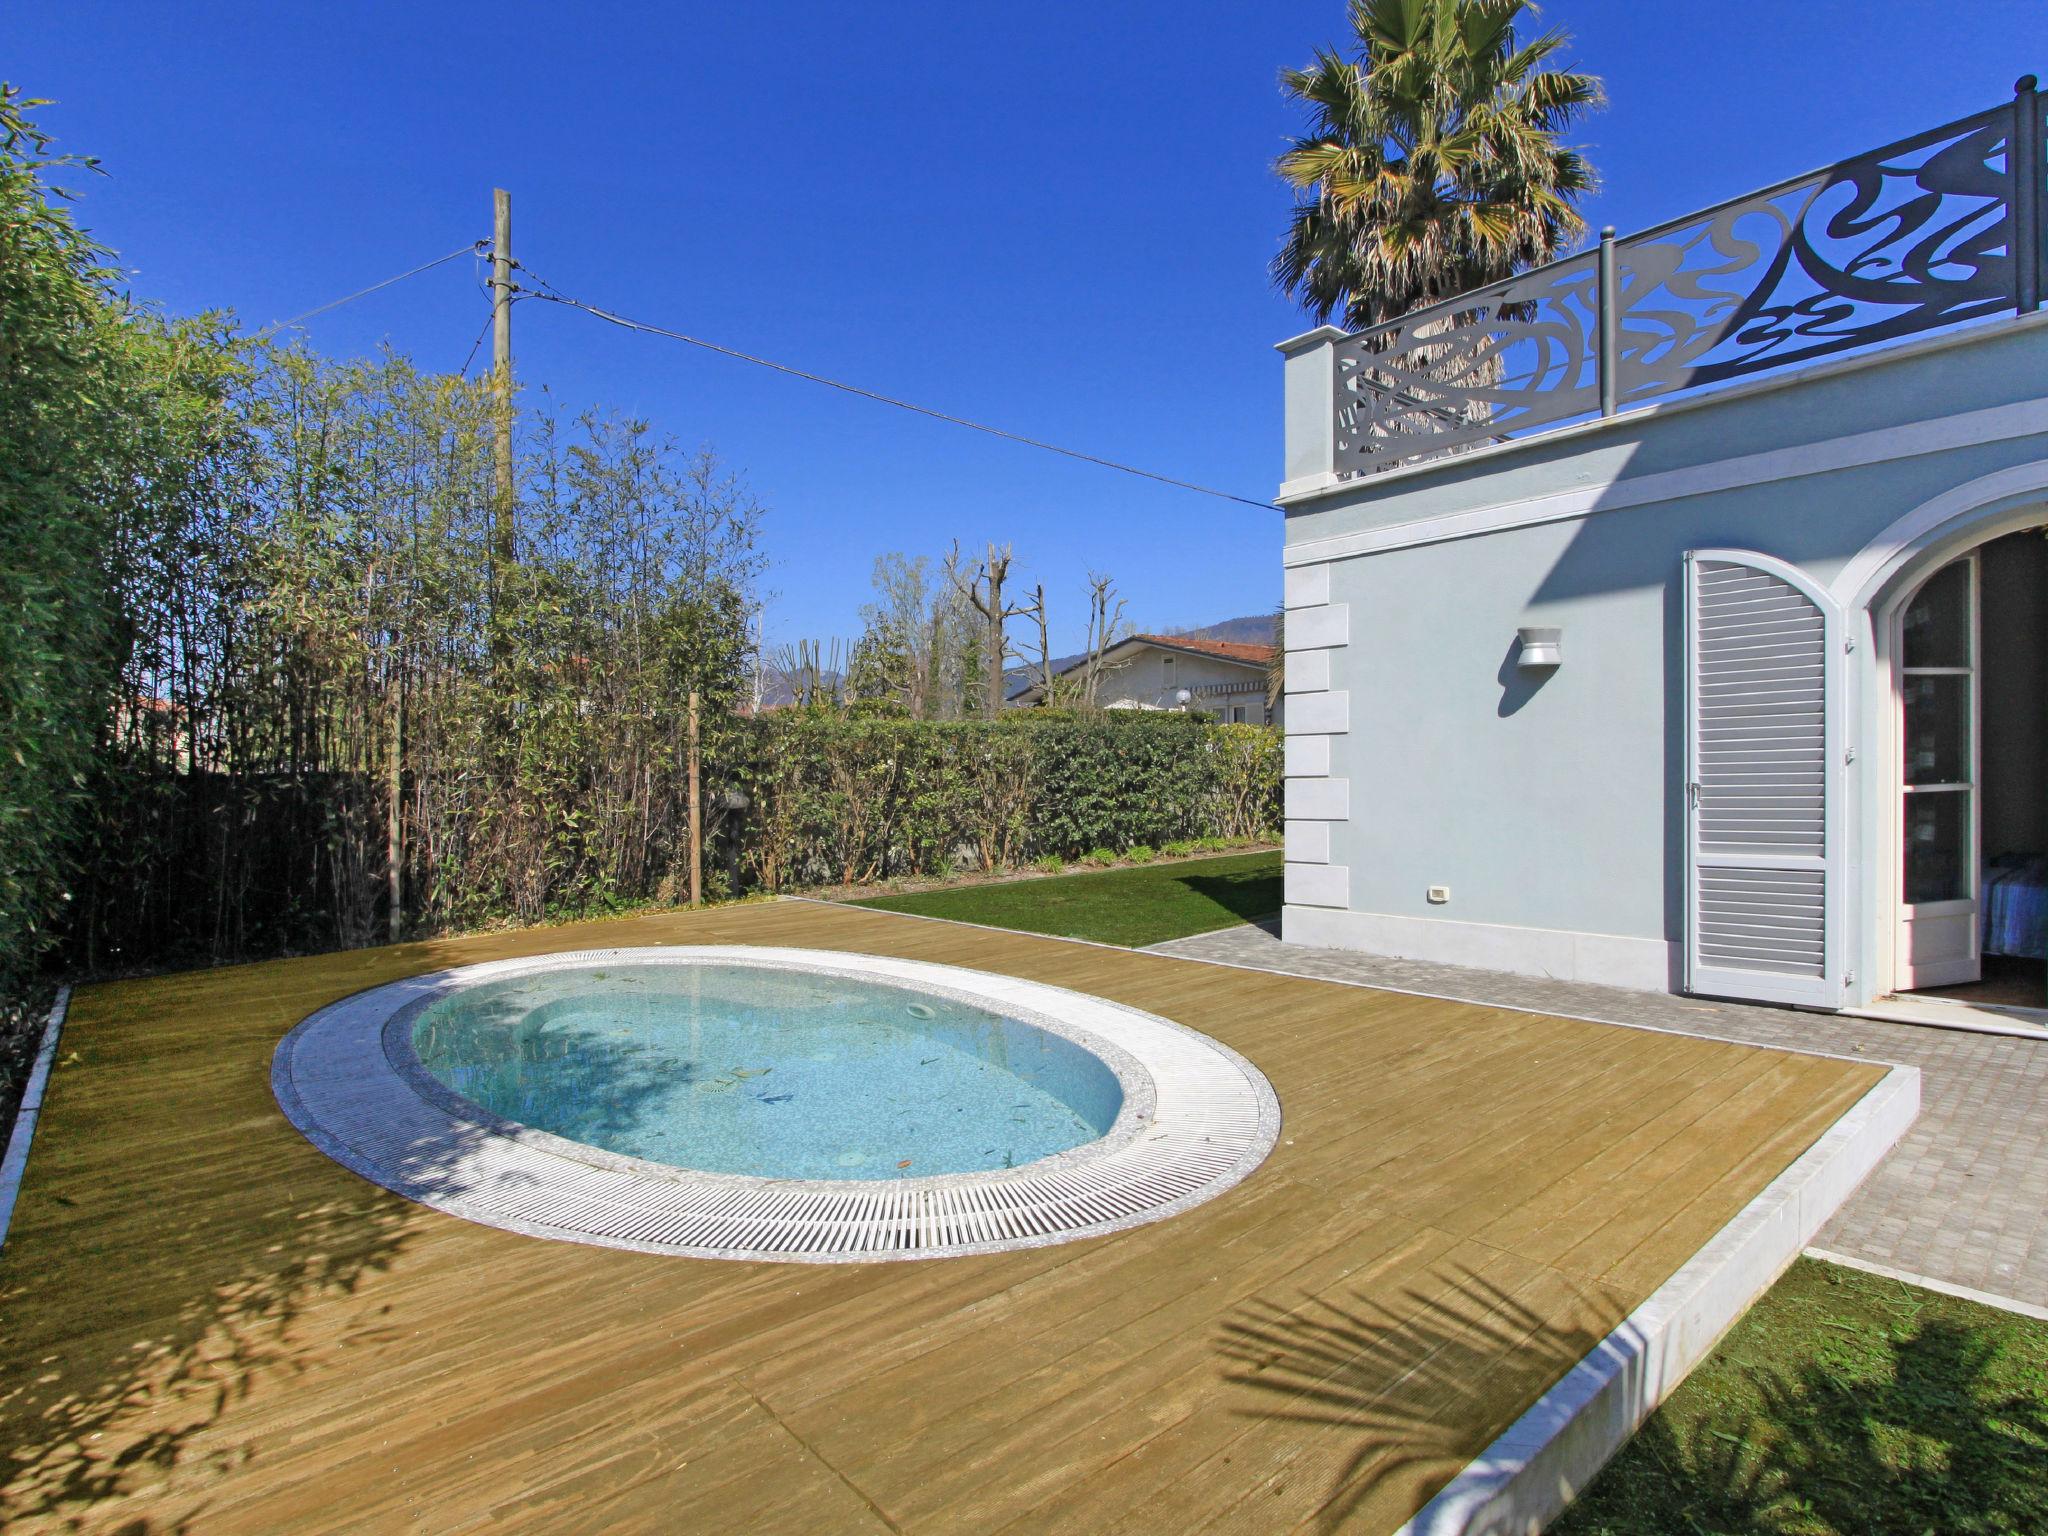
x: 547, y: 291
x: 285, y: 325
x: 489, y: 320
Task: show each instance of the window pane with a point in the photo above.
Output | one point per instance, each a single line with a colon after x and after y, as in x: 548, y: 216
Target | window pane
x: 1937, y: 626
x: 1937, y: 729
x: 1936, y: 868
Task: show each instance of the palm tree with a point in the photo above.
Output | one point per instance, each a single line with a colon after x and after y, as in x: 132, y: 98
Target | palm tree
x: 1276, y: 664
x: 1433, y: 163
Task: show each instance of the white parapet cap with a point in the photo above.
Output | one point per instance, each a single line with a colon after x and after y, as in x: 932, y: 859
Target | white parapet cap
x: 1307, y: 339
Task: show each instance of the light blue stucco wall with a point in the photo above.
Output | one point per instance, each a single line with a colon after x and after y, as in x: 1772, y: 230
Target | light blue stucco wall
x: 1555, y: 802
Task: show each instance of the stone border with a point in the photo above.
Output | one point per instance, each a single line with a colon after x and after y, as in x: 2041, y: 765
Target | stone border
x: 1524, y: 1479
x: 15, y: 1165
x: 1197, y: 1118
x: 1929, y: 1283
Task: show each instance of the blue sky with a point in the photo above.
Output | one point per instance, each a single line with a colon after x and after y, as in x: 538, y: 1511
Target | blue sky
x: 1053, y: 217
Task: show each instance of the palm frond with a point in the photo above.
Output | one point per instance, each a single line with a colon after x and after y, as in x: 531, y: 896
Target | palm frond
x: 1433, y: 161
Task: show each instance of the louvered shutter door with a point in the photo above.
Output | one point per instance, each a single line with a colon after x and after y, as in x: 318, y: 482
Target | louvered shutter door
x: 1764, y: 796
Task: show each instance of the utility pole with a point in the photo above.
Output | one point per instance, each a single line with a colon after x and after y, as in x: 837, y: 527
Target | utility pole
x: 505, y: 547
x: 394, y: 826
x: 696, y: 811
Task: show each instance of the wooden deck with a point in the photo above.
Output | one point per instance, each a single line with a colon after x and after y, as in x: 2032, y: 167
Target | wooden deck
x: 206, y: 1325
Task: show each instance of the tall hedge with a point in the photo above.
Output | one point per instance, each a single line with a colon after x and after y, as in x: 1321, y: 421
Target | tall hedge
x: 197, y: 865
x: 82, y: 416
x: 847, y: 800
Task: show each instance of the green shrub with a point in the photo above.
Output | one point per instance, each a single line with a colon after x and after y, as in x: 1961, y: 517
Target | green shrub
x: 1246, y: 771
x: 108, y: 426
x: 1121, y: 778
x: 851, y: 800
x: 830, y: 798
x: 1140, y: 854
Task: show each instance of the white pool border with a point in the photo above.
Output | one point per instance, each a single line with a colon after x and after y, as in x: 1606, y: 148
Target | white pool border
x: 1197, y: 1119
x: 14, y: 1166
x: 1524, y: 1480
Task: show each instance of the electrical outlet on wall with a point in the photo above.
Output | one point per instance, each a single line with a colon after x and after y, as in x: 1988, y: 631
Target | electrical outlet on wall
x: 1439, y: 894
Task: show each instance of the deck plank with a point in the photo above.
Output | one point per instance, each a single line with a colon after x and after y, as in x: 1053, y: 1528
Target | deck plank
x: 204, y: 1322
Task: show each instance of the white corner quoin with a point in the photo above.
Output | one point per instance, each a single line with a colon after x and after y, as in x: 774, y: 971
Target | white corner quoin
x: 1318, y: 721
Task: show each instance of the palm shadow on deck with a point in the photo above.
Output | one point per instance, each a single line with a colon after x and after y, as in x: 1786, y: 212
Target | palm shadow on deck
x: 1389, y: 1394
x: 1928, y: 1438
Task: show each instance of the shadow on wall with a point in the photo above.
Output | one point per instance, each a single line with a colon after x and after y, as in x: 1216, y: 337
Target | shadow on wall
x: 1390, y: 1395
x: 224, y: 1238
x: 1519, y: 684
x: 1641, y: 548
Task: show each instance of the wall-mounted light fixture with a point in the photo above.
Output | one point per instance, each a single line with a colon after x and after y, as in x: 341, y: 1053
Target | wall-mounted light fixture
x: 1540, y: 648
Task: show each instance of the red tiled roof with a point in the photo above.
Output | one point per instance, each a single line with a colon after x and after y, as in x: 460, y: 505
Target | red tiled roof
x: 1229, y: 650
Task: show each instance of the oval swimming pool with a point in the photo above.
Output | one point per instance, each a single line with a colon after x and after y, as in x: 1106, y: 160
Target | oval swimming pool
x: 777, y: 1073
x: 763, y: 1102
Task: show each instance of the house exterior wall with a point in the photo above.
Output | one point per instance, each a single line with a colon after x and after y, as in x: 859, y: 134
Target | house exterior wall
x: 1550, y: 806
x: 1149, y: 679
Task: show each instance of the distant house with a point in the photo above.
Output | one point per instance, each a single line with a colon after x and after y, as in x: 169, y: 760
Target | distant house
x: 1225, y: 679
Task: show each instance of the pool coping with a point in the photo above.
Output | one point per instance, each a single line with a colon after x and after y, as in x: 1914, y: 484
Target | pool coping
x: 14, y: 1167
x: 1211, y: 1122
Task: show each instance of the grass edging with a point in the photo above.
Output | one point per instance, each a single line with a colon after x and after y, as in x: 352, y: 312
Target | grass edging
x: 1929, y: 1283
x: 1022, y: 874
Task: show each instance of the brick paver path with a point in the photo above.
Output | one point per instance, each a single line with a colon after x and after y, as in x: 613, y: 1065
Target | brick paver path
x: 1963, y: 1198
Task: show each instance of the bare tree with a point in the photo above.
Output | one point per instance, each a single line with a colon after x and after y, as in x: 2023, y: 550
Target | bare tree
x: 1105, y: 628
x: 1040, y: 659
x: 1078, y: 684
x: 981, y: 584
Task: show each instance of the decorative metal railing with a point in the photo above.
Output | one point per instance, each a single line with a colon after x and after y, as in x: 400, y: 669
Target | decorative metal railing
x: 1934, y: 230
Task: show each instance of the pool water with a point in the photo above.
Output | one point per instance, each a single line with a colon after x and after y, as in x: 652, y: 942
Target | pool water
x: 781, y: 1073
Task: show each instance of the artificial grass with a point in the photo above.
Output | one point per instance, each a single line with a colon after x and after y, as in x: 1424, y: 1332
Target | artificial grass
x: 1148, y: 904
x: 1843, y: 1404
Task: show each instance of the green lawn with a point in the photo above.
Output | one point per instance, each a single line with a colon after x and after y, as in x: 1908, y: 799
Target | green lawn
x: 1147, y: 904
x: 1843, y: 1405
